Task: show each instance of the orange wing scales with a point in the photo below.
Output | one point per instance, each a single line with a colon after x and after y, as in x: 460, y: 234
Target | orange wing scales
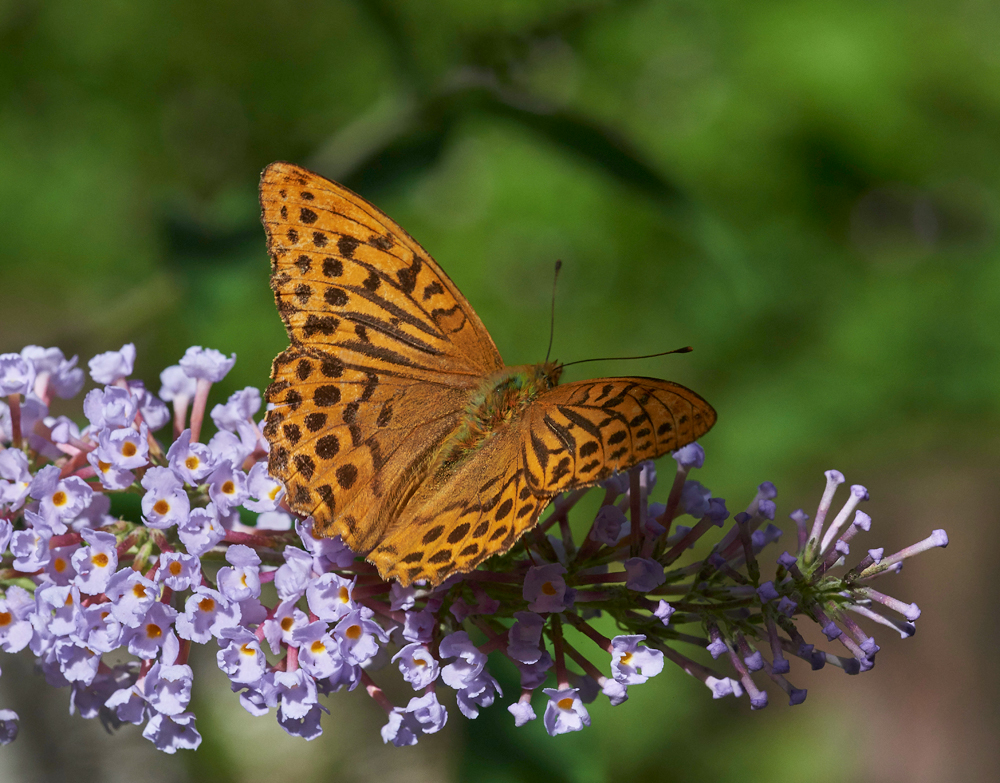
x: 489, y: 508
x: 385, y: 357
x: 346, y: 278
x: 580, y: 433
x: 345, y: 446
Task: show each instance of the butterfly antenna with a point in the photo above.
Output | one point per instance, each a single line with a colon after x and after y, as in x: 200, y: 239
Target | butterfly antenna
x: 685, y: 349
x: 552, y: 319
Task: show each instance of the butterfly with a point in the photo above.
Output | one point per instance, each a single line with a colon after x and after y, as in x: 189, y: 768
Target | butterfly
x: 394, y: 422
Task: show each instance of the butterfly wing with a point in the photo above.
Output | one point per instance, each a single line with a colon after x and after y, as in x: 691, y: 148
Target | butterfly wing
x: 578, y: 434
x: 349, y: 449
x: 384, y: 350
x: 348, y: 280
x: 571, y: 436
x: 457, y: 520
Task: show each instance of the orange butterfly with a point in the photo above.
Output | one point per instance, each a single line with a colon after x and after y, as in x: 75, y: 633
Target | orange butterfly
x: 396, y: 424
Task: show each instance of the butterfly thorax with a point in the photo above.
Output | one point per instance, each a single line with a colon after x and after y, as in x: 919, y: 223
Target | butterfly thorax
x: 496, y: 402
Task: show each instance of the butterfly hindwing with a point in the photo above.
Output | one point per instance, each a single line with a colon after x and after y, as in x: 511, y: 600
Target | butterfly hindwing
x: 578, y: 434
x: 455, y: 522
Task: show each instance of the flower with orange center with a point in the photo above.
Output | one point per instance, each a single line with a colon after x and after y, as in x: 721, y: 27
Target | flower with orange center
x: 165, y: 503
x: 565, y: 711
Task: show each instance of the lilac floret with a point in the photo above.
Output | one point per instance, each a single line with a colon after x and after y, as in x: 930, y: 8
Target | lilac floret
x: 664, y: 612
x: 266, y: 490
x: 31, y: 548
x: 522, y: 712
x: 281, y: 626
x: 417, y: 665
x: 690, y: 456
x: 294, y: 693
x: 226, y: 447
x: 617, y: 692
x: 319, y: 652
x: 307, y: 727
x: 241, y: 658
x: 358, y: 637
x: 292, y: 578
x: 239, y: 408
x: 401, y: 597
x: 766, y: 592
x: 329, y: 597
x: 112, y: 476
x: 607, y: 527
x: 695, y: 499
x: 192, y: 462
x: 99, y: 630
x: 95, y: 564
x: 17, y: 376
x: 165, y: 503
x: 201, y: 530
x: 206, y: 614
x: 176, y: 384
x: 15, y: 478
x: 171, y: 733
x: 6, y: 533
x: 632, y: 663
x: 227, y: 486
x: 131, y: 596
x: 77, y: 663
x: 206, y: 363
x: 110, y: 407
x: 60, y: 500
x: 146, y: 639
x: 128, y: 706
x: 242, y: 579
x: 154, y: 413
x: 723, y: 687
x: 58, y: 611
x: 65, y: 379
x: 424, y: 714
x: 831, y: 631
x: 481, y: 691
x: 179, y: 571
x: 525, y: 636
x: 643, y: 574
x: 534, y: 674
x: 16, y: 608
x: 565, y: 711
x: 109, y: 367
x: 545, y: 588
x: 329, y: 552
x: 469, y: 661
x: 754, y: 661
x: 716, y: 648
x: 419, y: 626
x: 126, y: 447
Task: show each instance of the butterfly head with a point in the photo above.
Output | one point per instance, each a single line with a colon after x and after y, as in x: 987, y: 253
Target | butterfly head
x: 548, y: 374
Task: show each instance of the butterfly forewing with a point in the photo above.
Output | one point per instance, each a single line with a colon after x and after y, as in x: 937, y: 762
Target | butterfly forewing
x: 384, y: 350
x: 348, y: 449
x: 347, y: 279
x: 580, y: 433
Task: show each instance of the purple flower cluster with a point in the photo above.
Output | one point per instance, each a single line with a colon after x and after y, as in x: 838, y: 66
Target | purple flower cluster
x: 295, y: 618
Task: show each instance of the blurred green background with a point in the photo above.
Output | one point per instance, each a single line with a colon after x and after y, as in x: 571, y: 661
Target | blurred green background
x: 806, y: 192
